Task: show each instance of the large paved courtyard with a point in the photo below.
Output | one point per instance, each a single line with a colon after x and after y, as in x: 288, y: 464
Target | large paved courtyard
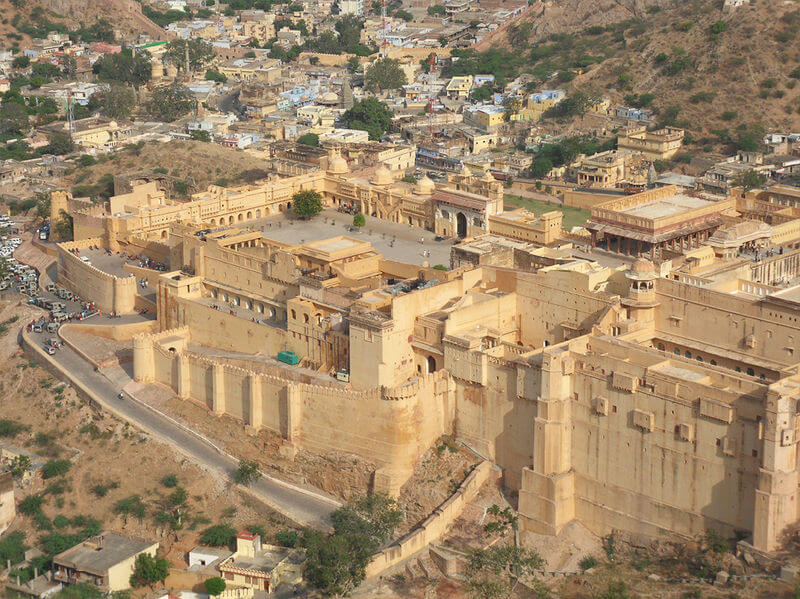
x: 394, y: 241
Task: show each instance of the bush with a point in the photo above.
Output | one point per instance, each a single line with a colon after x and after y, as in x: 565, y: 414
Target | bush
x: 61, y: 521
x: 729, y: 115
x: 219, y: 535
x: 359, y: 220
x: 55, y: 468
x: 287, y: 537
x: 309, y: 139
x: 169, y: 481
x: 31, y: 505
x: 588, y: 562
x: 12, y: 548
x: 11, y: 428
x: 719, y: 27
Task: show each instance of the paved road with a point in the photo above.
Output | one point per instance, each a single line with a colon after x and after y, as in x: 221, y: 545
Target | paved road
x: 305, y: 508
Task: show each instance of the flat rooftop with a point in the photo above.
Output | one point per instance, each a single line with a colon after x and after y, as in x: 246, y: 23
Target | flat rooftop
x: 670, y: 206
x: 101, y: 553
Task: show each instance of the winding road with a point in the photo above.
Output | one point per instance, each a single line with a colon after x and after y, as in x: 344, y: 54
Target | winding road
x: 303, y: 506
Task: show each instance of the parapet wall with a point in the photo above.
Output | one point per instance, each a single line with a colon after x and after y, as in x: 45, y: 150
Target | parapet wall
x: 434, y: 525
x: 391, y: 427
x: 110, y: 293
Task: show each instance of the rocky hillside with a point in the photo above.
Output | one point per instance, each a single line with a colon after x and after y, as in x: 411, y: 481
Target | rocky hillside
x: 721, y: 74
x: 125, y: 17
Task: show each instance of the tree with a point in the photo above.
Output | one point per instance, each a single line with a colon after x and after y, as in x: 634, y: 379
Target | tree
x: 309, y: 139
x: 200, y: 53
x: 148, y: 570
x: 63, y: 227
x: 359, y: 220
x: 353, y: 63
x: 212, y: 75
x: 214, y: 586
x: 119, y: 101
x: 404, y: 14
x: 124, y: 67
x: 749, y: 179
x: 55, y: 468
x: 512, y: 104
x: 540, y: 167
x: 13, y: 119
x: 437, y: 9
x: 83, y: 590
x: 385, y: 73
x: 219, y: 535
x: 200, y: 135
x: 336, y: 563
x: 170, y: 103
x: 21, y: 62
x: 494, y: 572
x: 370, y: 115
x: 306, y: 204
x: 482, y: 93
x: 247, y: 472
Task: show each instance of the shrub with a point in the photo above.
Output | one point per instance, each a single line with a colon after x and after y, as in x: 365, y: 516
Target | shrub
x: 170, y: 480
x: 214, y: 586
x: 719, y: 27
x: 287, y: 537
x: 55, y: 468
x: 61, y: 521
x: 588, y: 562
x: 31, y: 505
x: 248, y: 472
x: 729, y: 115
x: 11, y: 428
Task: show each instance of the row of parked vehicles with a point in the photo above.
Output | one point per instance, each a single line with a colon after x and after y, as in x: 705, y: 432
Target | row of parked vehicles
x: 25, y: 277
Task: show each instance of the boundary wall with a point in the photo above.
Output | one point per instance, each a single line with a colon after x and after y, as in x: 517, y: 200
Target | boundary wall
x: 434, y: 526
x: 391, y: 427
x: 110, y: 293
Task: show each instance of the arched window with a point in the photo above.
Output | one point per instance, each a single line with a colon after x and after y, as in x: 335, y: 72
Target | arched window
x: 751, y: 372
x: 305, y: 318
x: 687, y: 354
x: 294, y: 315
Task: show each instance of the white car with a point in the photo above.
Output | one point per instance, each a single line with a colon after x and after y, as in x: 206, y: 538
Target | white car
x: 86, y: 259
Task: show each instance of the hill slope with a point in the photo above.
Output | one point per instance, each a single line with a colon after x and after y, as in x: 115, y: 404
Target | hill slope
x: 720, y: 70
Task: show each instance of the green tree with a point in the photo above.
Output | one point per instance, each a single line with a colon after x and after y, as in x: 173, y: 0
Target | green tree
x: 13, y: 119
x: 82, y: 590
x: 359, y: 220
x: 212, y: 75
x: 170, y: 102
x: 21, y: 62
x: 481, y: 94
x: 336, y: 563
x: 540, y: 167
x: 119, y: 101
x: 124, y: 67
x: 306, y: 204
x: 63, y: 227
x: 404, y: 14
x: 214, y: 586
x: 309, y: 139
x: 437, y: 9
x: 247, y: 472
x: 148, y: 570
x: 219, y: 535
x: 385, y: 73
x: 495, y: 572
x: 353, y: 63
x: 749, y: 179
x: 12, y: 548
x: 200, y: 53
x: 200, y: 135
x: 370, y: 115
x: 512, y: 104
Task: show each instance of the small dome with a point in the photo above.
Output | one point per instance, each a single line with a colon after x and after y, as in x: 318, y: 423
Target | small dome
x: 643, y: 266
x: 338, y: 165
x: 382, y: 176
x: 425, y: 186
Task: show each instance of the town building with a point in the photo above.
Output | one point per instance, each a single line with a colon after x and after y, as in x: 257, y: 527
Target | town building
x: 656, y: 221
x: 105, y: 561
x: 662, y: 144
x: 261, y: 567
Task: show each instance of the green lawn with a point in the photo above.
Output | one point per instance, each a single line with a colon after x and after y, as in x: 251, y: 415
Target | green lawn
x: 573, y: 217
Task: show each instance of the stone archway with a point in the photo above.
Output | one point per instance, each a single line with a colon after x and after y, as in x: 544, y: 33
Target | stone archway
x: 431, y: 364
x: 461, y: 225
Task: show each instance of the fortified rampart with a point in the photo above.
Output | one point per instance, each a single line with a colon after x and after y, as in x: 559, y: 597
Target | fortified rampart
x: 391, y: 427
x: 110, y: 293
